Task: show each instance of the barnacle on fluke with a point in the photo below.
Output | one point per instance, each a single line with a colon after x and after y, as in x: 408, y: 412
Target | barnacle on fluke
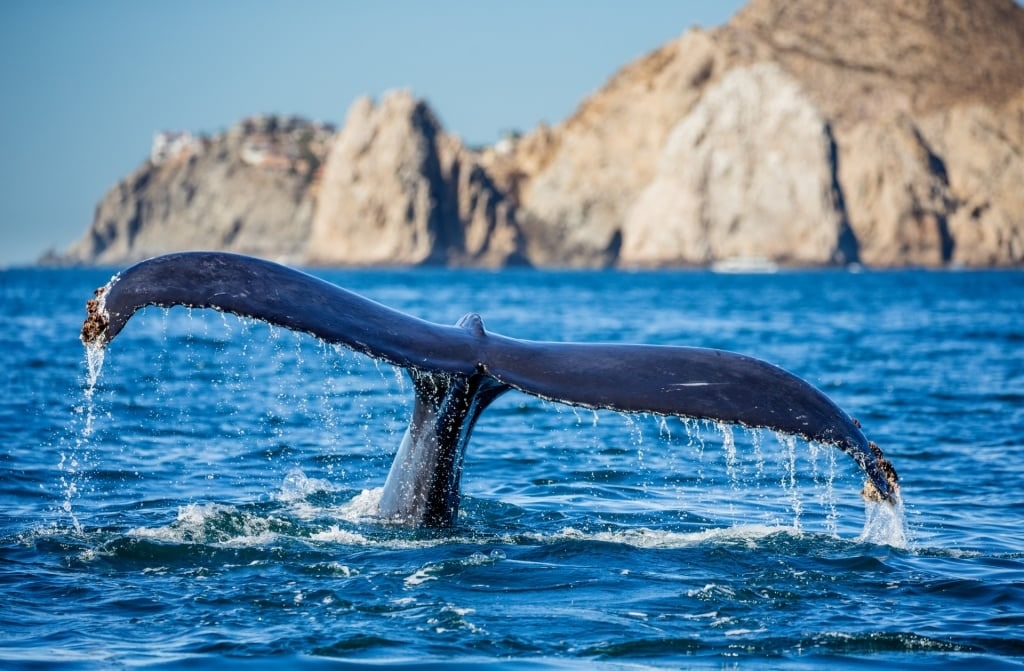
x: 870, y: 491
x: 96, y: 320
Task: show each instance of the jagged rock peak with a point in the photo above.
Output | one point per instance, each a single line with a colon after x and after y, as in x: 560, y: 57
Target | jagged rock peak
x: 397, y: 190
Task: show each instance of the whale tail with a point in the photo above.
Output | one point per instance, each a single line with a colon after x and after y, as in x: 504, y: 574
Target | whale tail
x: 871, y: 491
x: 457, y: 371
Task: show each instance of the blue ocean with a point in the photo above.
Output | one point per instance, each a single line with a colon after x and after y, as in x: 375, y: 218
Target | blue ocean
x: 198, y: 496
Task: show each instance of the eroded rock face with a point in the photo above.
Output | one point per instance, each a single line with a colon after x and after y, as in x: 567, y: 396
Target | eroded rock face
x: 398, y: 191
x: 924, y: 100
x: 897, y: 193
x: 983, y: 153
x: 803, y: 131
x: 246, y: 191
x: 575, y: 197
x: 489, y: 232
x: 749, y: 172
x: 380, y: 186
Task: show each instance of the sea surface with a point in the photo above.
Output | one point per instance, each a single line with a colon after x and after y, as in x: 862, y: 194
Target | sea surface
x: 202, y: 496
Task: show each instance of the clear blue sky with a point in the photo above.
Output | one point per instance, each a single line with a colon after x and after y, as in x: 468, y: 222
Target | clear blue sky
x: 85, y: 84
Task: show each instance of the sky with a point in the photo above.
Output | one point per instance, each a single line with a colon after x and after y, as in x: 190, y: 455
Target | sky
x: 85, y: 85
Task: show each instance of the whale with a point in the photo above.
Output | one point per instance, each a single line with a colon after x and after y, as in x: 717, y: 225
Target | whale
x: 457, y: 371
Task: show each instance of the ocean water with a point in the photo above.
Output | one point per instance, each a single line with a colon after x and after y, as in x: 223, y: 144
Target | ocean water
x: 199, y: 497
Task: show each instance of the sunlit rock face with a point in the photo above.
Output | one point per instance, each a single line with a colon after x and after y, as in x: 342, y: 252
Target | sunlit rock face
x: 398, y: 191
x: 802, y: 132
x: 248, y: 190
x: 925, y: 101
x: 749, y: 172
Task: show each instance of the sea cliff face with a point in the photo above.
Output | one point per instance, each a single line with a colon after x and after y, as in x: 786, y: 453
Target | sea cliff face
x: 398, y: 190
x: 804, y: 132
x: 250, y: 190
x: 749, y: 172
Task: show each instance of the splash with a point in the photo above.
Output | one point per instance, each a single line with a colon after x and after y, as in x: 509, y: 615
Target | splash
x: 72, y: 462
x: 297, y: 486
x: 94, y: 355
x: 218, y: 525
x: 95, y: 349
x: 885, y: 524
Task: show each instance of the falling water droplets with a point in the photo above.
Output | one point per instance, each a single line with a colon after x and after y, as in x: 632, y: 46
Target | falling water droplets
x: 729, y: 447
x: 677, y: 461
x: 789, y: 477
x: 71, y: 464
x: 826, y: 484
x: 94, y: 355
x: 885, y: 524
x: 756, y: 440
x: 636, y: 437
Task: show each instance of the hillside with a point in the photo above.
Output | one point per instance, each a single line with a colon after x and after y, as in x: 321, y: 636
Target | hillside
x: 806, y: 132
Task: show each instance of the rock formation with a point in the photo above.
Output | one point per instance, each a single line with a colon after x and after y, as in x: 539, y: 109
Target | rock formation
x: 747, y: 173
x: 805, y: 132
x: 248, y: 190
x: 398, y: 191
x: 925, y: 100
x: 576, y: 197
x: 920, y: 101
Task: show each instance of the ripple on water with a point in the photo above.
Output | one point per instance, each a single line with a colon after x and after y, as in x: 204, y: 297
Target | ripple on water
x: 208, y: 499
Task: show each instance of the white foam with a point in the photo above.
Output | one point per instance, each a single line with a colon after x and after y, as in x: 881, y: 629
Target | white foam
x: 363, y: 505
x: 655, y: 539
x: 197, y: 523
x: 885, y: 524
x: 335, y: 534
x: 430, y: 571
x: 297, y: 486
x: 419, y: 577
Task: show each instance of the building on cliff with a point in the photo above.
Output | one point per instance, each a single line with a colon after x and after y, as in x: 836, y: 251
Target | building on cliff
x: 173, y: 145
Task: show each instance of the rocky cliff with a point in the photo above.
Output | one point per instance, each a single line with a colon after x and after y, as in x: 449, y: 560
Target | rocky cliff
x: 397, y: 190
x: 926, y: 100
x: 750, y: 171
x: 806, y: 132
x: 250, y: 190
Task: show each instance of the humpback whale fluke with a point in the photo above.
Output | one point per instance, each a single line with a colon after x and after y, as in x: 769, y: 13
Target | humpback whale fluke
x: 457, y: 371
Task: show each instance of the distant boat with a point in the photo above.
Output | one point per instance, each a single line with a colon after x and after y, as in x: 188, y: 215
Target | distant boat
x: 745, y: 264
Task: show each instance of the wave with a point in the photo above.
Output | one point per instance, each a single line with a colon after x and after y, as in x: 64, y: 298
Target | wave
x: 353, y: 524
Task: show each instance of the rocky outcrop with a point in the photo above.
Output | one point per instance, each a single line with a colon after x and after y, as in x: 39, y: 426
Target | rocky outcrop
x: 248, y: 190
x: 575, y: 196
x: 918, y: 103
x: 924, y: 99
x: 747, y: 173
x: 898, y: 194
x: 398, y: 191
x: 982, y: 152
x: 804, y: 132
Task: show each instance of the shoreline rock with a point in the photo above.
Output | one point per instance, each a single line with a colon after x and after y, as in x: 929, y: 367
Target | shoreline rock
x: 802, y: 132
x: 397, y: 190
